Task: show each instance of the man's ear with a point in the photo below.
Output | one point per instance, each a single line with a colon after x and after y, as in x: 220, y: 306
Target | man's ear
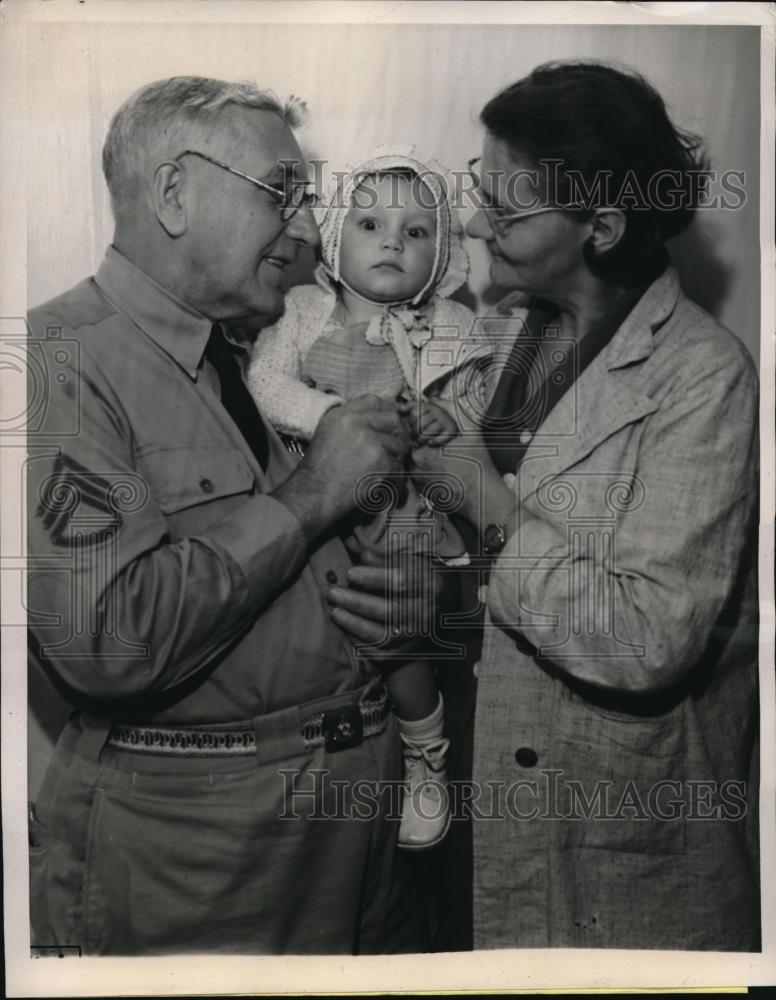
x: 167, y: 193
x: 608, y: 228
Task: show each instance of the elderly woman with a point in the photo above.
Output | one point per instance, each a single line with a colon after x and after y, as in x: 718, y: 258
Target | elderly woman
x: 613, y: 488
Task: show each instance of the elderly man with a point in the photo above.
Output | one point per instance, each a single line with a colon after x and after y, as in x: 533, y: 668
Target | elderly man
x: 187, y: 590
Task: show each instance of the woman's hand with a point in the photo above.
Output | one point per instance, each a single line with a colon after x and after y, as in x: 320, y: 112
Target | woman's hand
x: 467, y: 473
x: 458, y: 469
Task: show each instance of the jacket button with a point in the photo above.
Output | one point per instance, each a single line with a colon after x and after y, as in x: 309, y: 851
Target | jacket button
x: 526, y: 757
x: 331, y: 576
x: 206, y: 485
x: 525, y: 437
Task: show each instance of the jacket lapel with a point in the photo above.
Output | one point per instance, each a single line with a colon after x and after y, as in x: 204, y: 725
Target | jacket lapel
x: 604, y: 397
x: 597, y: 406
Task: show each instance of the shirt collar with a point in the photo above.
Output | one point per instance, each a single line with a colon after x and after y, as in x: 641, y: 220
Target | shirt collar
x: 179, y: 330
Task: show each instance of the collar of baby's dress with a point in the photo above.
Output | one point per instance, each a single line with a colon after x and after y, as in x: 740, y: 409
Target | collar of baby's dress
x: 416, y: 320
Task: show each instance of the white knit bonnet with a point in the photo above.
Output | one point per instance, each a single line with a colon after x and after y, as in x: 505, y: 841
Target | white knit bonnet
x: 451, y: 262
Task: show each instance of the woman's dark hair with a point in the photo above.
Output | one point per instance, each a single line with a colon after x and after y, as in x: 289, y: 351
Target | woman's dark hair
x: 608, y: 132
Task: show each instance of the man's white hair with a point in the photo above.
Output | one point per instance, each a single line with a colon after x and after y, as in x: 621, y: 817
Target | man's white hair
x: 169, y: 112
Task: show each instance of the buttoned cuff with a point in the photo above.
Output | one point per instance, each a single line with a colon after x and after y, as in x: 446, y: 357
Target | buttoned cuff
x: 266, y: 540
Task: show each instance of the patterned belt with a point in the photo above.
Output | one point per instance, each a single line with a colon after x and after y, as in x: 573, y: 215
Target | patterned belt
x: 336, y: 729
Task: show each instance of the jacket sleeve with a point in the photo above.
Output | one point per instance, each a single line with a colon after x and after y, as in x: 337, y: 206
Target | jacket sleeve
x: 635, y: 613
x: 275, y: 374
x: 116, y: 608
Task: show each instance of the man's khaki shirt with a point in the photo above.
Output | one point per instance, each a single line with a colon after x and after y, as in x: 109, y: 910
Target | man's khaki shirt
x: 164, y: 583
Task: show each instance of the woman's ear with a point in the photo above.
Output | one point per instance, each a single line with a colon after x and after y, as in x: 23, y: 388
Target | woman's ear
x: 608, y: 228
x: 167, y: 193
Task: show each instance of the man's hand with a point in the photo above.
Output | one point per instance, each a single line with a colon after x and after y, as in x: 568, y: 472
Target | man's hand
x: 365, y: 436
x: 393, y: 600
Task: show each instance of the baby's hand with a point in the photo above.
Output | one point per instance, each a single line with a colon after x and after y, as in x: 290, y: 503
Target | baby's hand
x: 430, y: 423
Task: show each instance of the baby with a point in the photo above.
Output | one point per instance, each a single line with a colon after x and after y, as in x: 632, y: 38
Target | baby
x: 379, y: 321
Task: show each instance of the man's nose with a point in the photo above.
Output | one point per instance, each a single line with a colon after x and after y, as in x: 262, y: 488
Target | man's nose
x: 302, y: 228
x: 479, y: 227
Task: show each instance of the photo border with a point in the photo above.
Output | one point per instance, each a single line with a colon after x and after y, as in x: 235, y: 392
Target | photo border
x: 496, y: 971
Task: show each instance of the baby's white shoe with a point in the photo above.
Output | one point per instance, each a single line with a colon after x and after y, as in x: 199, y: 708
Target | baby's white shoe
x: 425, y: 814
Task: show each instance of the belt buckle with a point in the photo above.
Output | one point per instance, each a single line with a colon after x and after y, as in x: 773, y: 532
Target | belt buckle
x: 343, y: 728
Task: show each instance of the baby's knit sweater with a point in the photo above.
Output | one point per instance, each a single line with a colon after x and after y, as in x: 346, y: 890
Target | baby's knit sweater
x: 277, y: 364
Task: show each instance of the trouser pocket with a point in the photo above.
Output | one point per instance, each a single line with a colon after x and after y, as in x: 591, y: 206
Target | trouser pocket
x: 57, y: 826
x: 41, y: 933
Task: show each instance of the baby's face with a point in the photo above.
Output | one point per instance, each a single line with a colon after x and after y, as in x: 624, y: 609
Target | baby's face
x: 389, y: 239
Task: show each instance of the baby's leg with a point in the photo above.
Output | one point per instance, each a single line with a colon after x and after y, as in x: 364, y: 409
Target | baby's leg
x: 414, y: 690
x: 420, y: 715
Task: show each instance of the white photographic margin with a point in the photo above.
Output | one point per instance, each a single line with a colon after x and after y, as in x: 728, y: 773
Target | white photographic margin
x: 497, y: 971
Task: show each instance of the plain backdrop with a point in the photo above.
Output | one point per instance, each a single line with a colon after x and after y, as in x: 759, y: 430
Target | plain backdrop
x: 366, y: 86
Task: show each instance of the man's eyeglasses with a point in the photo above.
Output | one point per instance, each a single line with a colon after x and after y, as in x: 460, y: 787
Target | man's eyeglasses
x: 289, y: 199
x: 501, y: 220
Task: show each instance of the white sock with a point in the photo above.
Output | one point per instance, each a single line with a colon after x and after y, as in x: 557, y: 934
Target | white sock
x: 428, y: 730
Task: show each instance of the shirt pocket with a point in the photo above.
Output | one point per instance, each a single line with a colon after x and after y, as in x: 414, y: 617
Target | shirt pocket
x: 185, y: 476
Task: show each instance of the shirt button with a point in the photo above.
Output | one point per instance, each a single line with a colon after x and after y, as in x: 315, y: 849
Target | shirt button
x: 331, y: 576
x: 526, y: 757
x: 206, y: 485
x: 525, y: 437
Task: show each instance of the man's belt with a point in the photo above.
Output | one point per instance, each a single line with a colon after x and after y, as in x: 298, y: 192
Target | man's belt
x: 335, y: 729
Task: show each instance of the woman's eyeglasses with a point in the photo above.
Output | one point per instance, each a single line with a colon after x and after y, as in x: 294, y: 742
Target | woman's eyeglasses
x: 289, y: 200
x: 499, y: 218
